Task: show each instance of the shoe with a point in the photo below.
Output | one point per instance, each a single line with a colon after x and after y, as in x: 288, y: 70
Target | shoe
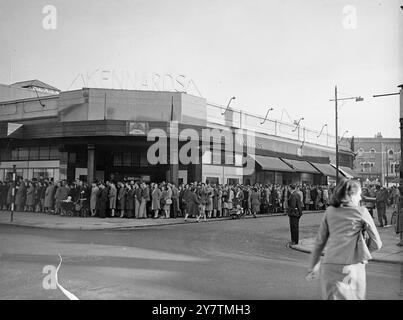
x: 400, y: 244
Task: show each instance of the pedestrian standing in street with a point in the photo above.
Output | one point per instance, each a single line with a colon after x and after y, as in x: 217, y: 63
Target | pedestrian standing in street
x: 381, y: 202
x: 294, y: 212
x: 344, y: 228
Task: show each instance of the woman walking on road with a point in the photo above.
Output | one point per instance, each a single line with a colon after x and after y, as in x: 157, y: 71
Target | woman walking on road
x: 344, y: 229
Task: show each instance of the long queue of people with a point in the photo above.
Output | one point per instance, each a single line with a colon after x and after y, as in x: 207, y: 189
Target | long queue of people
x: 130, y: 199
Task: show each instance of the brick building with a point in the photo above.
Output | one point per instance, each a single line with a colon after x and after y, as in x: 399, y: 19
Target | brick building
x: 377, y: 159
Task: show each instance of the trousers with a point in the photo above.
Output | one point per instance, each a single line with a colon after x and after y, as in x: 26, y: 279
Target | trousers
x: 382, y: 216
x: 294, y: 229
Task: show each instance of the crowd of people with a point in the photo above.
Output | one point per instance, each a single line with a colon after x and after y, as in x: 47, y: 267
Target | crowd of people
x: 136, y: 199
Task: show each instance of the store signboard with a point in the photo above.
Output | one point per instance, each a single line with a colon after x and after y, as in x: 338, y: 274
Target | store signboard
x: 138, y: 128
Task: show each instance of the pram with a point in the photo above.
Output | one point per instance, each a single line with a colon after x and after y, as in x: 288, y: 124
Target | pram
x: 67, y: 208
x: 237, y: 213
x: 71, y: 208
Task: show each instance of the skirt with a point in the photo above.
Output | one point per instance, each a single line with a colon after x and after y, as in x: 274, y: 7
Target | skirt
x: 343, y: 282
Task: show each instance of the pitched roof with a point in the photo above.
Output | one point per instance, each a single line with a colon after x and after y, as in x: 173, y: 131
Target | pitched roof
x: 34, y: 83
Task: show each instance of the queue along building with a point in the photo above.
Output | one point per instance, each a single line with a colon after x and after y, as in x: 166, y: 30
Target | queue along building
x: 100, y: 134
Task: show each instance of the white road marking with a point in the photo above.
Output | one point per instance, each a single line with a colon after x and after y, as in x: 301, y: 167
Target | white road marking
x: 67, y: 293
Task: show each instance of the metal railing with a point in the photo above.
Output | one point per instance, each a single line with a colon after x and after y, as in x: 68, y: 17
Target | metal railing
x: 246, y: 120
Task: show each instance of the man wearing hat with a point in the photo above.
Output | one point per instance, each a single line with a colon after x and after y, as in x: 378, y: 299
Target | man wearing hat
x: 294, y: 212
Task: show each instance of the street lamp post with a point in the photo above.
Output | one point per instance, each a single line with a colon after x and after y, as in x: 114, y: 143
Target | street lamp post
x: 267, y: 113
x: 229, y: 102
x: 336, y: 99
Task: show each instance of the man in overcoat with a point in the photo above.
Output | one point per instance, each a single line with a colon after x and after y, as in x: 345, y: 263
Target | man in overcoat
x: 294, y: 212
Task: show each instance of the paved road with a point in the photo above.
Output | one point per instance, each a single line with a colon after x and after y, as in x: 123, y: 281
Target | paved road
x: 242, y: 259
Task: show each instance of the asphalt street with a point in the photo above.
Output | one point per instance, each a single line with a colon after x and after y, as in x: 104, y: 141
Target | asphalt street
x: 232, y: 259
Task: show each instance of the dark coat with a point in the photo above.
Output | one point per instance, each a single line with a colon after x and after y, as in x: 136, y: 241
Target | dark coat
x: 130, y: 199
x: 193, y: 204
x: 20, y: 196
x: 294, y: 205
x: 102, y: 199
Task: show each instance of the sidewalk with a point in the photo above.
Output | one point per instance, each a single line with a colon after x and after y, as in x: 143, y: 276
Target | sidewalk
x: 389, y: 252
x: 48, y: 221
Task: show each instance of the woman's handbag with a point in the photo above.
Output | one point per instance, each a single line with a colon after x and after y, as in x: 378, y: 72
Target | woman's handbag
x: 168, y: 201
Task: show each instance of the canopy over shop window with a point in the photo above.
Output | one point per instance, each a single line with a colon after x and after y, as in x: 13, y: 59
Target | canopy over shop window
x: 325, y: 168
x: 301, y: 166
x: 272, y: 164
x: 347, y: 172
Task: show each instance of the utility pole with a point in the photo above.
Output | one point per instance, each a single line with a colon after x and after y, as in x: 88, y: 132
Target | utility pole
x: 13, y: 193
x: 400, y: 93
x: 337, y: 135
x: 357, y: 99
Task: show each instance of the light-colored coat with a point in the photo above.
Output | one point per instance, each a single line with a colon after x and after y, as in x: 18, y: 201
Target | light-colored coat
x: 49, y: 196
x: 156, y: 199
x: 112, y: 197
x: 93, y: 199
x: 341, y: 231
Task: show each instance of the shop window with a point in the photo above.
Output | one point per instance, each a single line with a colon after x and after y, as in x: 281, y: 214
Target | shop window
x: 8, y: 174
x: 232, y: 181
x: 213, y: 180
x: 43, y: 173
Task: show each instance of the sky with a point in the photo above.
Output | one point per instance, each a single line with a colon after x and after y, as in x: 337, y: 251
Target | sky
x: 285, y: 54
